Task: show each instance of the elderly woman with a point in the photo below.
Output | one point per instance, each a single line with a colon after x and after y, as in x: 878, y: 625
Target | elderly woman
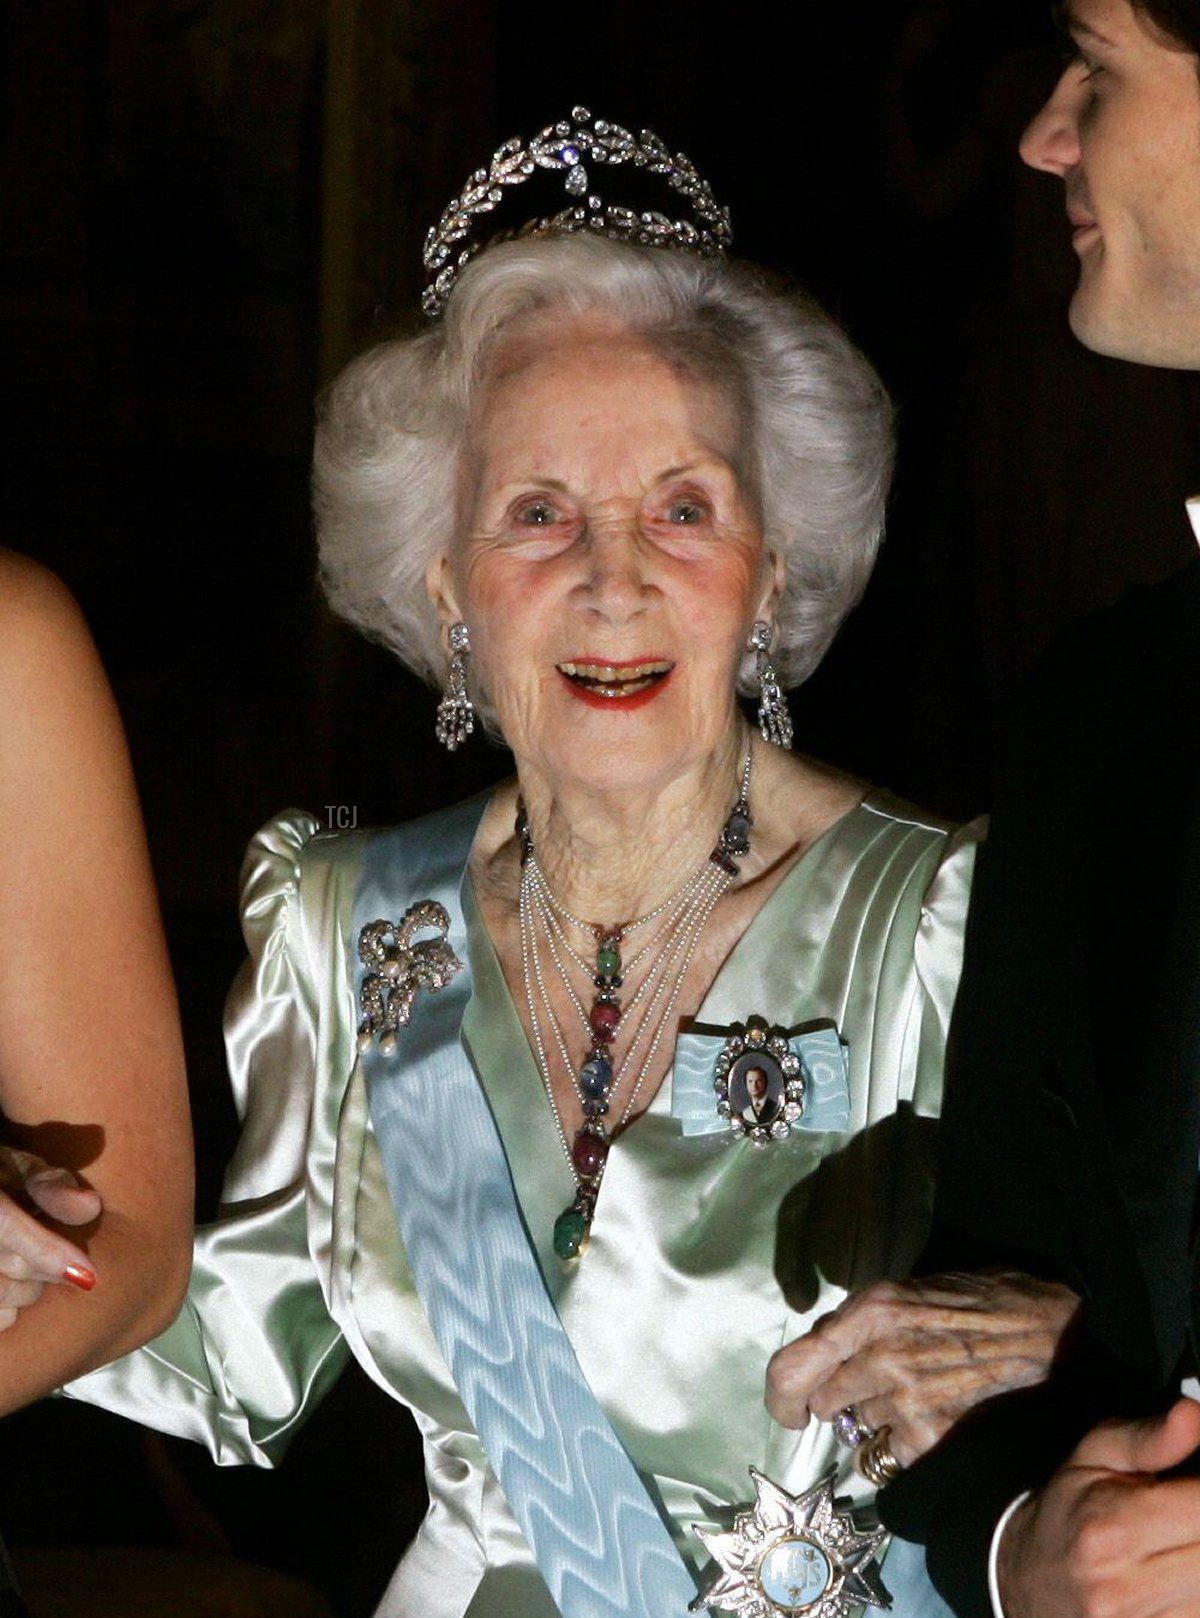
x: 494, y: 1067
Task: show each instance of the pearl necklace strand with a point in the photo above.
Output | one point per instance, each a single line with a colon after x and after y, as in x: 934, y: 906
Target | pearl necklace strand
x: 668, y: 953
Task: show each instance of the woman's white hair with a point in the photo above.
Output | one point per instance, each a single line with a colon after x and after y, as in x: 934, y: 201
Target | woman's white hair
x: 815, y: 425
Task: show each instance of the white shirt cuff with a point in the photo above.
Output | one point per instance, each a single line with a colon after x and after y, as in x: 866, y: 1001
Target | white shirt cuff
x: 994, y: 1554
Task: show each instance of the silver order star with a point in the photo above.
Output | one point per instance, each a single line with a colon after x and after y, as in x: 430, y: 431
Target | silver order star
x: 809, y: 1531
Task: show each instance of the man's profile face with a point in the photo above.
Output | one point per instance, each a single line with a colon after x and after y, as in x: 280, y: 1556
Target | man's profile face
x: 1122, y: 130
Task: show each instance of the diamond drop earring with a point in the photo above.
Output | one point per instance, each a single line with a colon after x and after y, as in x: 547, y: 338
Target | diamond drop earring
x: 455, y: 714
x: 774, y: 721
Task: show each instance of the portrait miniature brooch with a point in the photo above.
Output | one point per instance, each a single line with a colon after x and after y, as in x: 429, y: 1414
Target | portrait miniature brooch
x: 758, y: 1082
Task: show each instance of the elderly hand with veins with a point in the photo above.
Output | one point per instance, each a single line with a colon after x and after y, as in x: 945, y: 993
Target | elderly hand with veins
x: 1109, y: 1537
x: 916, y: 1355
x: 31, y: 1255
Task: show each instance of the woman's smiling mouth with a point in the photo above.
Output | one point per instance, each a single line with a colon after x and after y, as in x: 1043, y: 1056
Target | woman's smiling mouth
x: 608, y: 684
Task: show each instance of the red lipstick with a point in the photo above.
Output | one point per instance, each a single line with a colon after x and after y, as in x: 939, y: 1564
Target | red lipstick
x: 625, y: 684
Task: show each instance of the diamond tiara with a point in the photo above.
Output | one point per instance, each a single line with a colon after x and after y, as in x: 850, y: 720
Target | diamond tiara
x: 569, y: 146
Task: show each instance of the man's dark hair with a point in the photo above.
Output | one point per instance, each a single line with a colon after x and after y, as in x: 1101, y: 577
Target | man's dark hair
x: 1179, y: 18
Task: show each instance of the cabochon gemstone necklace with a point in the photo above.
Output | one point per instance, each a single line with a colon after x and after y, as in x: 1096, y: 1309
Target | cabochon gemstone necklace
x: 662, y: 960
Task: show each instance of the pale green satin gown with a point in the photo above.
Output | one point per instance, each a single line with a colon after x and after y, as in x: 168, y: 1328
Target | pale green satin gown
x: 706, y: 1255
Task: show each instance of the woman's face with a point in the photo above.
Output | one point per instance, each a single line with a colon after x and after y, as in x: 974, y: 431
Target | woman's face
x: 611, y: 562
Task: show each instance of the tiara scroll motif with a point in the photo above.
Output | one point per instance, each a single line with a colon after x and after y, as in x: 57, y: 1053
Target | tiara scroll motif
x: 568, y: 146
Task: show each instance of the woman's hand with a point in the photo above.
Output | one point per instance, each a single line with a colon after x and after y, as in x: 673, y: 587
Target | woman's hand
x: 915, y: 1356
x: 31, y: 1255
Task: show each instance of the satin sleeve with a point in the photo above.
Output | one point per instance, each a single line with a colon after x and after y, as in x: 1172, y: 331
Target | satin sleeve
x: 255, y: 1346
x: 938, y: 956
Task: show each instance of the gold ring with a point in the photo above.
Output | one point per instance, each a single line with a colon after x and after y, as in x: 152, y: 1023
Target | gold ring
x: 875, y: 1460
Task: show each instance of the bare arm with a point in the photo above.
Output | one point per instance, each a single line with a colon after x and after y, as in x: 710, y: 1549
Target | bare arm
x: 91, y: 1068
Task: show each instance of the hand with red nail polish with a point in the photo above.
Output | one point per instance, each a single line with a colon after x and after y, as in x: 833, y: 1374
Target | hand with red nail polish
x: 33, y: 1256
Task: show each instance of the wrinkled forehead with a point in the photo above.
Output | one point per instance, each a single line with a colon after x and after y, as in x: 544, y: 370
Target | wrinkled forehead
x: 542, y: 352
x: 545, y: 341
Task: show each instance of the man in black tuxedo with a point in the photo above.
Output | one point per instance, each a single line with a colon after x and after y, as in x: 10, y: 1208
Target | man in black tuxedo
x: 1071, y: 1139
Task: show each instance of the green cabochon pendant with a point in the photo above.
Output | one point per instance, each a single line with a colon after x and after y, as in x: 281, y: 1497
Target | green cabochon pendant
x: 570, y: 1230
x: 792, y: 1556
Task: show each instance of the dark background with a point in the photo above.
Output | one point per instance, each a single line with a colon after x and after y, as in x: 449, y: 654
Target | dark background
x: 207, y: 205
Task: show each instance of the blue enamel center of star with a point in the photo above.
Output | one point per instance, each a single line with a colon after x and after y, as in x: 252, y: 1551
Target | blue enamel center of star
x: 795, y: 1574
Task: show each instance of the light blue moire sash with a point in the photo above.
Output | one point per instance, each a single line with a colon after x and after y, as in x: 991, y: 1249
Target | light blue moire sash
x: 600, y: 1542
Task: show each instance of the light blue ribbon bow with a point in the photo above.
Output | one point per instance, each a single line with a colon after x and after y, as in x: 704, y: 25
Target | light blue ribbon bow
x: 826, y: 1072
